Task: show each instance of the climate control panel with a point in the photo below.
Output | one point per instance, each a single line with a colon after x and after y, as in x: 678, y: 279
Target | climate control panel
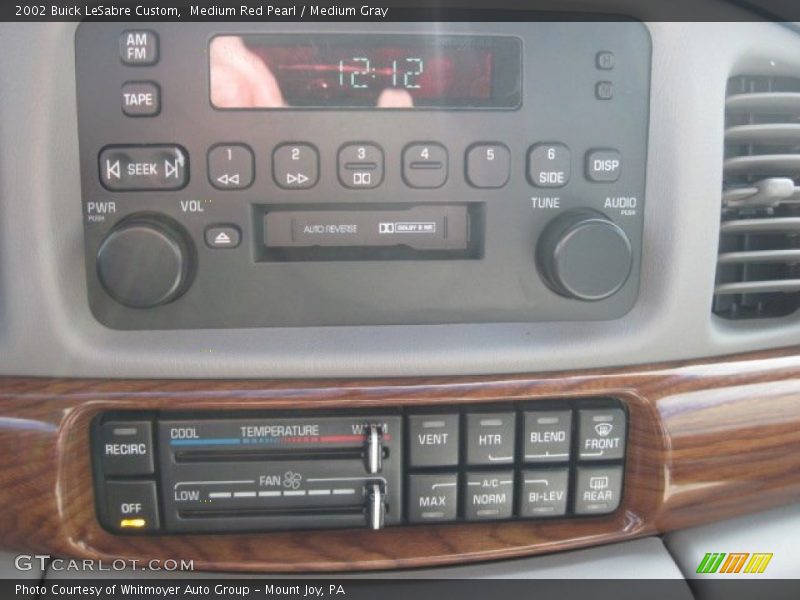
x: 262, y: 471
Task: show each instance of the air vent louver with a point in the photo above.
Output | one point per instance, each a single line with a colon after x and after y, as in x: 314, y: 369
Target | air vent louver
x: 758, y: 271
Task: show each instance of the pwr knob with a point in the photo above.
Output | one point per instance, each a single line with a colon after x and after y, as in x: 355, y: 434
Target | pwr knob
x: 145, y: 261
x: 585, y: 256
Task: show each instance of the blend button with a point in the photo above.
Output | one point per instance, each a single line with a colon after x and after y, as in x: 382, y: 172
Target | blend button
x: 547, y: 436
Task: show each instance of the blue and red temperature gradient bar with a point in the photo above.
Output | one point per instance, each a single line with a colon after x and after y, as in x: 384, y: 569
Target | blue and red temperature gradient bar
x: 318, y: 439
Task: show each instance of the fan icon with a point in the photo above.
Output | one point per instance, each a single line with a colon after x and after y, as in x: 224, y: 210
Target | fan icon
x: 292, y: 480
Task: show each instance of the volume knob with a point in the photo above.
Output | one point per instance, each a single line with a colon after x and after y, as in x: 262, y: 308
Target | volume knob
x: 585, y: 256
x: 145, y: 261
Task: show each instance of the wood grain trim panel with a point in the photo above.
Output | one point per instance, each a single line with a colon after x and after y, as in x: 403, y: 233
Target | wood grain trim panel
x: 708, y: 439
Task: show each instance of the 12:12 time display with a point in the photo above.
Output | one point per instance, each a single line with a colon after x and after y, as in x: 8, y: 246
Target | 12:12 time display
x: 358, y: 72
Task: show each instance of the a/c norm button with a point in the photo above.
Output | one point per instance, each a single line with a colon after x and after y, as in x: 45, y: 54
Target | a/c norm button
x: 433, y: 440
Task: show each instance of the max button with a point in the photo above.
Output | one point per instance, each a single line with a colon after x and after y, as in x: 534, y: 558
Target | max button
x: 223, y: 236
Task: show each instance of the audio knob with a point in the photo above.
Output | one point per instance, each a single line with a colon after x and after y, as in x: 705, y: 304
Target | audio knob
x: 583, y: 255
x: 145, y: 261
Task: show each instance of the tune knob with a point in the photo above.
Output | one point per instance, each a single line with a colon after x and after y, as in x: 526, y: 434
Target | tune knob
x: 583, y: 255
x: 145, y: 261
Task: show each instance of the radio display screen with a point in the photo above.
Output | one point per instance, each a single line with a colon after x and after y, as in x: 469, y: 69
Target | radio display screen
x: 365, y: 71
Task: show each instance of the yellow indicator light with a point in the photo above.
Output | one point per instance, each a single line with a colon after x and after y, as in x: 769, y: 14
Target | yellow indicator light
x: 137, y: 523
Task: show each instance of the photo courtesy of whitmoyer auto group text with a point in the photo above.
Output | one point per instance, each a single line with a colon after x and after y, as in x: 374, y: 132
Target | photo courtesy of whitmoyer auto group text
x: 402, y: 299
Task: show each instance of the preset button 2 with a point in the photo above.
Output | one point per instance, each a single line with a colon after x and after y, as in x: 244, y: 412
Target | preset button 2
x: 295, y: 166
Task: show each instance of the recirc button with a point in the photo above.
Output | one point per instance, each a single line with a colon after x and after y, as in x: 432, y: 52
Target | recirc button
x: 419, y: 227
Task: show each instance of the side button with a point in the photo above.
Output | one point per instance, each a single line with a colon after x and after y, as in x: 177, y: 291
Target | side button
x: 132, y: 505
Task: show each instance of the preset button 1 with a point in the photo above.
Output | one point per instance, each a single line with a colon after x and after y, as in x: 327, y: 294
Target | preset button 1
x: 230, y: 166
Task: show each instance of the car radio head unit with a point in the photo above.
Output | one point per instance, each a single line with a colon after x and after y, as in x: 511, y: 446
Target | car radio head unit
x: 401, y: 173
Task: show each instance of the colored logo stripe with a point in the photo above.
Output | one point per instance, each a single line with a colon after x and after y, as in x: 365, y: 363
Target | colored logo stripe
x: 734, y: 562
x: 711, y: 562
x: 758, y: 562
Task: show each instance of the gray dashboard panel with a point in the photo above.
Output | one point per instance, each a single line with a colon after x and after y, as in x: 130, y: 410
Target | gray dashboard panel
x: 773, y: 531
x: 46, y: 327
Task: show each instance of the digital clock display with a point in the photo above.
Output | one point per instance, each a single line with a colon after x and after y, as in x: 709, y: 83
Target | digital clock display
x: 365, y: 71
